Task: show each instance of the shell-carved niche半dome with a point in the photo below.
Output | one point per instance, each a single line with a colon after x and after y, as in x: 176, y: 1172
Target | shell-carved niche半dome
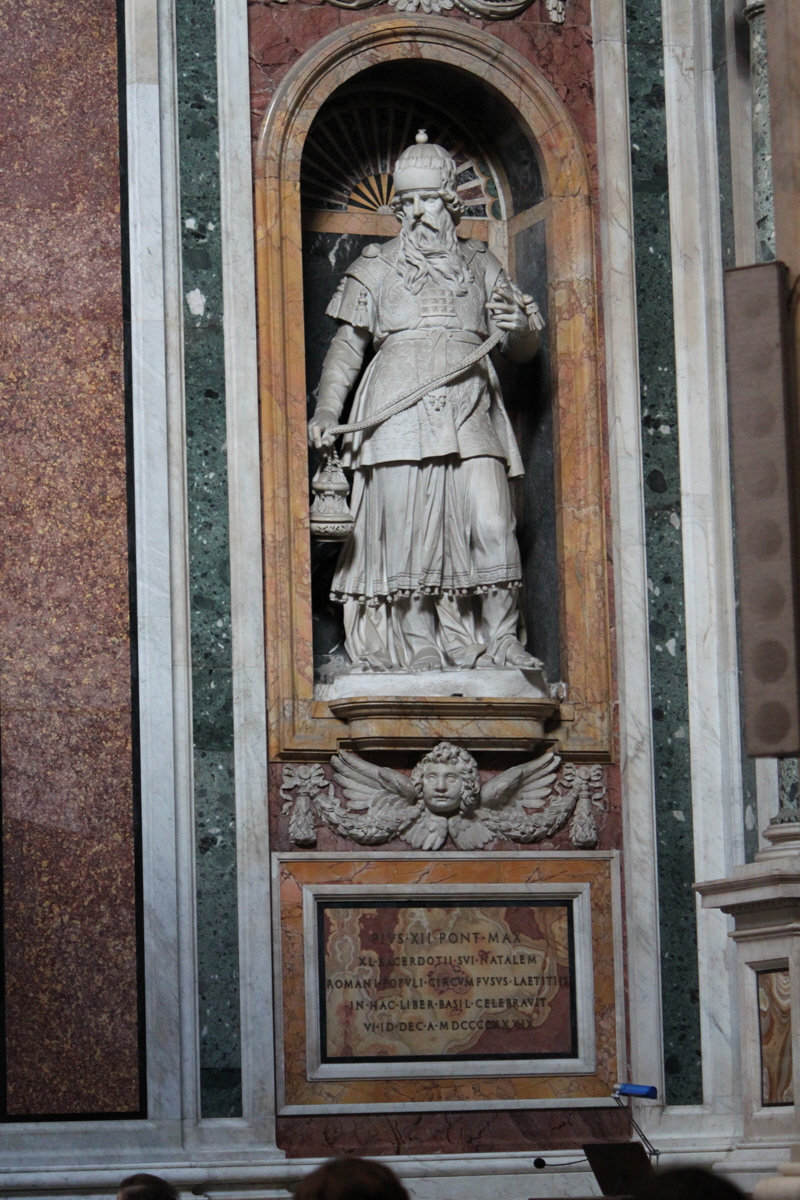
x: 352, y: 146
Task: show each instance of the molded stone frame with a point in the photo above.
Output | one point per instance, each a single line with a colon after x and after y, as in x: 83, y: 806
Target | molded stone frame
x: 590, y: 878
x: 301, y: 727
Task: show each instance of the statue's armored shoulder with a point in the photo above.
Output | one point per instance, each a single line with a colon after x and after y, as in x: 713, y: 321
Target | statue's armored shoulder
x: 471, y: 249
x: 491, y: 267
x: 356, y: 296
x: 370, y: 267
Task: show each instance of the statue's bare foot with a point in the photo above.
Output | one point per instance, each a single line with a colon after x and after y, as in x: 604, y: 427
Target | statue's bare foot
x: 511, y: 653
x: 425, y: 661
x: 467, y: 656
x: 371, y: 663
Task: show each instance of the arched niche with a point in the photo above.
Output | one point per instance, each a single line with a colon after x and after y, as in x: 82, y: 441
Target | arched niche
x: 379, y: 52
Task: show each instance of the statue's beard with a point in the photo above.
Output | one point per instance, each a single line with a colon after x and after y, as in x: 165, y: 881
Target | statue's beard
x: 429, y: 247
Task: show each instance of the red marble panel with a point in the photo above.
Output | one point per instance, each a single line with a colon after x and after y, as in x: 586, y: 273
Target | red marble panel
x: 451, y: 1133
x: 71, y: 985
x: 60, y: 266
x: 64, y: 597
x: 58, y: 107
x: 65, y: 681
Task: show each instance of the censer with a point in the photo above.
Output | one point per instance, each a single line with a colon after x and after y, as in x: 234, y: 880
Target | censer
x: 330, y: 520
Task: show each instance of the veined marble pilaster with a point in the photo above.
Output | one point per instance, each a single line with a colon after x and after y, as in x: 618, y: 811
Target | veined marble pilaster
x: 662, y: 855
x: 153, y: 331
x: 707, y: 525
x: 762, y: 137
x: 247, y: 625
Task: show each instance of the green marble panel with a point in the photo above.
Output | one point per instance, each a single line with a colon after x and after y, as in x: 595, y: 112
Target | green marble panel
x: 671, y: 748
x: 209, y: 562
x: 217, y: 949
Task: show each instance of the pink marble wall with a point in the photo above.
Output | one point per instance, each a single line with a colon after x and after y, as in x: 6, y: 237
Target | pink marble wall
x: 280, y: 33
x: 65, y: 680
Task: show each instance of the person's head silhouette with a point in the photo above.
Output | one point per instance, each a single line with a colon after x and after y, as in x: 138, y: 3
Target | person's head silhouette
x: 146, y: 1187
x: 351, y: 1179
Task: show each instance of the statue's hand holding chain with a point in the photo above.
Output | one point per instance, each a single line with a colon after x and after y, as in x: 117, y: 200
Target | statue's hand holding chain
x: 513, y: 311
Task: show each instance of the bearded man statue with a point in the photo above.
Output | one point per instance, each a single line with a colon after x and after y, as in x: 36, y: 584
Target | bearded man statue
x: 430, y: 575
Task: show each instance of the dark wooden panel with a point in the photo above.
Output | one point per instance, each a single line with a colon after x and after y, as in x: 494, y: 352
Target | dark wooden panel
x: 764, y: 456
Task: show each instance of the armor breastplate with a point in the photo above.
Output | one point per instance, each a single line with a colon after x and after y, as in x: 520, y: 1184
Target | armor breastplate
x: 433, y: 307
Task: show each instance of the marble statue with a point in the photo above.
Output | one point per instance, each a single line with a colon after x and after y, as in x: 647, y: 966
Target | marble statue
x: 442, y: 798
x: 430, y: 574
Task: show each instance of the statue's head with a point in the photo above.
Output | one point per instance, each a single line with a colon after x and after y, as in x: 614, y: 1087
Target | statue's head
x: 427, y: 205
x: 446, y: 780
x: 425, y: 182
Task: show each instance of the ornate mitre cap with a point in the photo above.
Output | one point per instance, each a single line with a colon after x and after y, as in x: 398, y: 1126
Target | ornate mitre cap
x: 425, y: 167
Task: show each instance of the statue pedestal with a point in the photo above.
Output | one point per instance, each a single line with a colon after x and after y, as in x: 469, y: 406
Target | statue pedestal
x: 499, y: 709
x: 500, y: 683
x: 420, y: 722
x: 763, y: 897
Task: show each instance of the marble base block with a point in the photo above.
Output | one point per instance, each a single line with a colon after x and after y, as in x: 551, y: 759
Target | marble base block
x: 785, y: 1186
x: 763, y: 897
x: 500, y: 683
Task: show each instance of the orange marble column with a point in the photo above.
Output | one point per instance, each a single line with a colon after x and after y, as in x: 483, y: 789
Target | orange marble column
x: 69, y: 908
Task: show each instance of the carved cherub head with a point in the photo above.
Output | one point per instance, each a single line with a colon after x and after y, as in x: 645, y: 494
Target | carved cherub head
x: 446, y: 781
x: 443, y: 798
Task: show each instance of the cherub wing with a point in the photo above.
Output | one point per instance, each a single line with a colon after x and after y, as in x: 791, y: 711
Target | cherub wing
x: 521, y: 803
x: 529, y: 784
x: 379, y: 803
x: 428, y: 831
x: 470, y: 832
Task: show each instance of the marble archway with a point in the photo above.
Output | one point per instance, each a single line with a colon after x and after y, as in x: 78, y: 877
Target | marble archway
x: 300, y: 726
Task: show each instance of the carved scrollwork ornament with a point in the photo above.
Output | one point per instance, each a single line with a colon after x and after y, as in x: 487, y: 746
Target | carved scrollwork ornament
x: 307, y: 780
x: 443, y: 798
x: 487, y: 10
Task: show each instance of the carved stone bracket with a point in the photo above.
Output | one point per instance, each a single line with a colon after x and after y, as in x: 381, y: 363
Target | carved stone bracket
x: 487, y: 10
x: 443, y: 800
x: 402, y: 722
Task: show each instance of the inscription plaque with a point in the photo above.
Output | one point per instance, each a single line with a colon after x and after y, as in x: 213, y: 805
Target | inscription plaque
x: 413, y: 981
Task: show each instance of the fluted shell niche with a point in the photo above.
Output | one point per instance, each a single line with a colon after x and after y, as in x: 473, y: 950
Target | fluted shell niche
x: 324, y: 193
